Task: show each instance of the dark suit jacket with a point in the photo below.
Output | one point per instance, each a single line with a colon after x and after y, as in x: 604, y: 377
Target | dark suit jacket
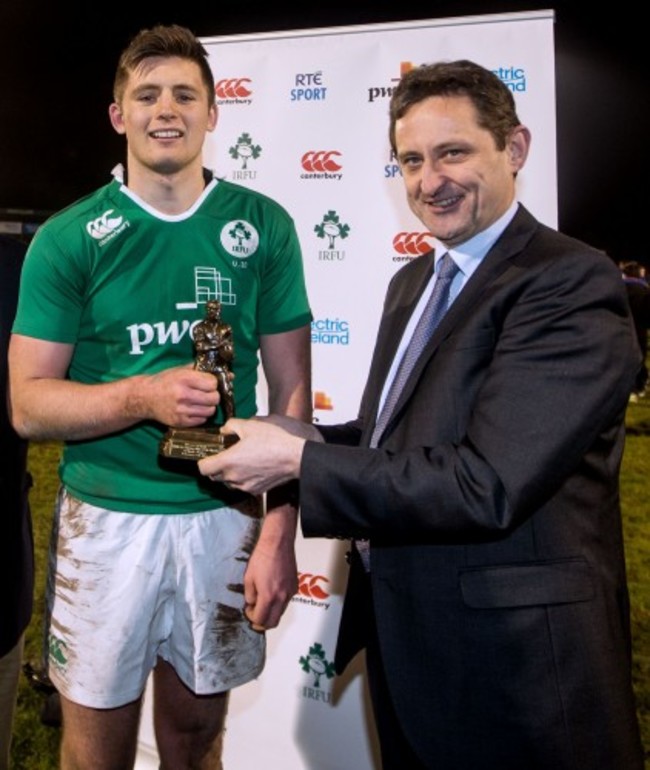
x: 16, y: 546
x: 498, y: 574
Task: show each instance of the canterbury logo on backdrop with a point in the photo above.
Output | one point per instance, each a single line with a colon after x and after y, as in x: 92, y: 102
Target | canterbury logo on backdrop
x: 233, y: 88
x: 412, y: 243
x: 321, y: 161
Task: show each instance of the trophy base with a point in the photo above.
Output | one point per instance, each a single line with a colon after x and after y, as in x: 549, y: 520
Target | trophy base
x: 194, y: 443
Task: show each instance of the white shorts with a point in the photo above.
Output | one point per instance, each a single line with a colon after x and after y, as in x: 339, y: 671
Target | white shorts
x: 126, y: 588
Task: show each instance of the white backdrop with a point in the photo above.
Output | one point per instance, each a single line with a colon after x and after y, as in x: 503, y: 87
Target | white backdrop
x: 303, y: 117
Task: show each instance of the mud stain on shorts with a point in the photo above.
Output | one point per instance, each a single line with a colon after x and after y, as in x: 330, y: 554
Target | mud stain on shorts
x: 231, y: 642
x: 74, y: 520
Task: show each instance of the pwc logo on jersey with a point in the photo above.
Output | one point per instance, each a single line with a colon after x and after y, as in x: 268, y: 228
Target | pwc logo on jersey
x: 241, y: 240
x: 106, y: 227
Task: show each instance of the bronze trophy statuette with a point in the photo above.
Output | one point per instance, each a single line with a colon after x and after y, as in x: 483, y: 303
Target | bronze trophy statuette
x: 215, y: 351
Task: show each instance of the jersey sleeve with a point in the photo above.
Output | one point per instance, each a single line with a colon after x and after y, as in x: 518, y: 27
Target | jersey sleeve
x: 51, y: 292
x: 284, y: 304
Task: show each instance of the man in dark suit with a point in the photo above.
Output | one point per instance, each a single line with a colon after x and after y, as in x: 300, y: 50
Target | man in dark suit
x: 16, y: 546
x: 494, y: 607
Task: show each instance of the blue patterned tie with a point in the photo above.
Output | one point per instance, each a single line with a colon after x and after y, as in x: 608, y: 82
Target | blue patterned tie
x: 434, y: 310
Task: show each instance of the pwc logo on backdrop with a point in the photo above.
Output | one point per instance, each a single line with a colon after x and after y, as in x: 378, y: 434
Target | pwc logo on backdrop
x: 407, y: 246
x: 378, y: 93
x: 321, y: 164
x: 233, y: 91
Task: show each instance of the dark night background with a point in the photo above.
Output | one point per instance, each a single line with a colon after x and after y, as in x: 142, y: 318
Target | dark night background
x: 57, y: 62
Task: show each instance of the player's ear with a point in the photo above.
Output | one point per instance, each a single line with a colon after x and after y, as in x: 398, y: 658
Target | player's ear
x: 116, y: 118
x: 213, y: 117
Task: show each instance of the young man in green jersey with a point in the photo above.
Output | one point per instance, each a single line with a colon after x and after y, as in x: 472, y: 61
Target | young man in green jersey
x: 152, y: 569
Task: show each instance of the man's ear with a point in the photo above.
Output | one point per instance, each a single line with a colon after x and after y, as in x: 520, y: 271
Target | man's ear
x: 116, y: 118
x: 517, y: 147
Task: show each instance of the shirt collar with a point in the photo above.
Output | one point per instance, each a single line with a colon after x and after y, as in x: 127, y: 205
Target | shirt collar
x: 469, y: 255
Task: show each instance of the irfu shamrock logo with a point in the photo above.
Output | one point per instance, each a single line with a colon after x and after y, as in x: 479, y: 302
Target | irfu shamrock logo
x: 245, y: 149
x: 316, y: 663
x: 331, y: 228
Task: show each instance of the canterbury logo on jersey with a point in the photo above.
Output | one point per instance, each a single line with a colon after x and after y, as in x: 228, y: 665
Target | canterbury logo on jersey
x: 105, y: 225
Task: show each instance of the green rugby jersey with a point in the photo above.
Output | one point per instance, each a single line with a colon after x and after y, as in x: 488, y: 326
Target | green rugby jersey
x: 125, y: 284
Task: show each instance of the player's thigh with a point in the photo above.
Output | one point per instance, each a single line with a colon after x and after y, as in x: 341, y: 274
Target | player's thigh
x: 179, y: 713
x: 101, y: 739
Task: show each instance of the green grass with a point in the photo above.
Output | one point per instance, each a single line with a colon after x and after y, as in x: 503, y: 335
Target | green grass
x: 35, y: 746
x: 635, y: 493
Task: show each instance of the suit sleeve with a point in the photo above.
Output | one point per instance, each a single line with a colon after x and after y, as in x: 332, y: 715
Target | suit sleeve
x: 500, y: 427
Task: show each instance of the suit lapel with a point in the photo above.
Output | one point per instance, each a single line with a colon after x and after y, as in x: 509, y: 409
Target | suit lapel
x: 402, y: 297
x: 495, y: 269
